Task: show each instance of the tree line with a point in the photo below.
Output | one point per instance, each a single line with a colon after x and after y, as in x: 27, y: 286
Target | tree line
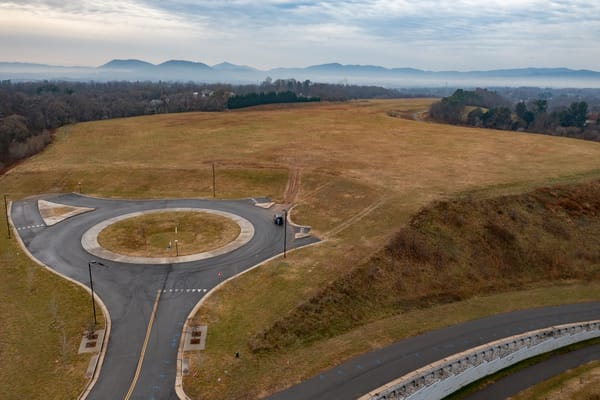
x: 30, y: 111
x: 255, y: 99
x: 487, y: 109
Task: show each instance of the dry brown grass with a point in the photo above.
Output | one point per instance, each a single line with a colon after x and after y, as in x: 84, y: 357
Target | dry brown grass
x: 154, y: 235
x: 251, y: 377
x: 355, y: 160
x: 42, y: 318
x: 581, y: 383
x: 56, y: 211
x: 172, y: 154
x: 455, y: 250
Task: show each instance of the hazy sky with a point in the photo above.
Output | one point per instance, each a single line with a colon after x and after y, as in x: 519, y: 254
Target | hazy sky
x: 433, y: 35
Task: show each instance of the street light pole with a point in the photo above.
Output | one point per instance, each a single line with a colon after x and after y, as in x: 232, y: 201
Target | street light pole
x: 6, y: 214
x: 92, y: 286
x: 284, y: 233
x: 214, y: 187
x: 176, y: 248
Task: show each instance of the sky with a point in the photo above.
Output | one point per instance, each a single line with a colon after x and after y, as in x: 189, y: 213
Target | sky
x: 432, y: 35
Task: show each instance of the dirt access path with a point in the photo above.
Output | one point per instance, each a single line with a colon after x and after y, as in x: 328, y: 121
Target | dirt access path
x: 293, y: 185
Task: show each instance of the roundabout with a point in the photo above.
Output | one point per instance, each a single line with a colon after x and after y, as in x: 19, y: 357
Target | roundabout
x: 147, y: 299
x: 91, y: 244
x: 147, y: 304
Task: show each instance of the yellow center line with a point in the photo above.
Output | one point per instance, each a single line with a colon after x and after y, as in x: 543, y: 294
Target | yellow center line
x: 141, y: 360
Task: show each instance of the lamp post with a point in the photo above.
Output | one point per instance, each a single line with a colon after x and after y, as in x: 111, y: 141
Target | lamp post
x: 176, y: 248
x: 214, y: 187
x: 92, y: 286
x: 284, y: 233
x: 6, y: 214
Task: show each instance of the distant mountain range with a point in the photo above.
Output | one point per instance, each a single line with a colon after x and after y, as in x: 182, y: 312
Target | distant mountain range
x: 182, y: 70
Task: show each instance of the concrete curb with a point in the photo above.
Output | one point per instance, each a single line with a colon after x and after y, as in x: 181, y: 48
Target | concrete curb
x: 89, y: 196
x: 49, y: 221
x: 180, y: 353
x: 88, y: 388
x: 89, y: 240
x: 304, y: 229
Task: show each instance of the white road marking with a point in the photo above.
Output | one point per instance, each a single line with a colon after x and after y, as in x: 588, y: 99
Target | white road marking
x: 22, y: 228
x: 187, y: 290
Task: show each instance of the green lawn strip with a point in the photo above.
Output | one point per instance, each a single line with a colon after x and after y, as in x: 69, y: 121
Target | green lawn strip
x: 42, y: 320
x: 491, y: 379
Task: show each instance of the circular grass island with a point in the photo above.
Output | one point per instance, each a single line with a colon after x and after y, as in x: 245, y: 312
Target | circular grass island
x: 168, y: 234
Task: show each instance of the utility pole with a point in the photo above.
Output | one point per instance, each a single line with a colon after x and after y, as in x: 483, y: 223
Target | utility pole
x: 284, y: 233
x: 6, y: 214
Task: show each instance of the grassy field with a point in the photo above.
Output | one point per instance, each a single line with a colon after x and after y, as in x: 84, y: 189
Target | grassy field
x: 154, y: 235
x: 581, y: 383
x: 454, y: 250
x: 172, y: 155
x: 42, y: 320
x: 362, y: 174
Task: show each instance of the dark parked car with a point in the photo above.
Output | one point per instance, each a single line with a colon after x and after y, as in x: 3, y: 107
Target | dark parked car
x: 278, y: 219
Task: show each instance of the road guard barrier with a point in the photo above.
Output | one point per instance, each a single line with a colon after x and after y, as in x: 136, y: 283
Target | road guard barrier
x: 438, y: 380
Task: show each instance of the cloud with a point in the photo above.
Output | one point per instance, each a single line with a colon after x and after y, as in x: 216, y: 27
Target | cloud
x: 281, y: 32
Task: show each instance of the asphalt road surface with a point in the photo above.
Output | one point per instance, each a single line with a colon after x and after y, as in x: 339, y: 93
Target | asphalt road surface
x: 129, y: 290
x: 372, y: 370
x: 514, y: 383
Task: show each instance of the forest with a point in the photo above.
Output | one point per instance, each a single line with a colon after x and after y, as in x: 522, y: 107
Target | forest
x: 487, y: 109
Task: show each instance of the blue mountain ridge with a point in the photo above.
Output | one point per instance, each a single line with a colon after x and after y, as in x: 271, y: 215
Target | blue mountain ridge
x: 225, y: 72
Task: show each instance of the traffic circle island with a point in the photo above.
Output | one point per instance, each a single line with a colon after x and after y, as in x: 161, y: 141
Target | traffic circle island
x: 165, y: 236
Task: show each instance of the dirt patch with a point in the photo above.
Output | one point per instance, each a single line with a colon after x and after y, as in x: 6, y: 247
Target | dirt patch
x: 293, y: 185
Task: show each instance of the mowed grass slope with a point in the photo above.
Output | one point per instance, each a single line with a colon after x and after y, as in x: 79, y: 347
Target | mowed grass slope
x: 363, y: 173
x: 455, y: 250
x: 42, y: 318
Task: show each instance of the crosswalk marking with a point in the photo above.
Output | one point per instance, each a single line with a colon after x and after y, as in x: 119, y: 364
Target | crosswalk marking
x: 182, y: 290
x: 22, y: 228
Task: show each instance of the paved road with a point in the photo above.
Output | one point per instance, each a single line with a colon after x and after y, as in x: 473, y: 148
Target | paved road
x: 521, y: 380
x: 372, y: 370
x: 129, y: 290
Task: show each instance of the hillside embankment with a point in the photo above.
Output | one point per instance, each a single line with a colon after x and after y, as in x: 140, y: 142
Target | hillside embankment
x: 454, y: 250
